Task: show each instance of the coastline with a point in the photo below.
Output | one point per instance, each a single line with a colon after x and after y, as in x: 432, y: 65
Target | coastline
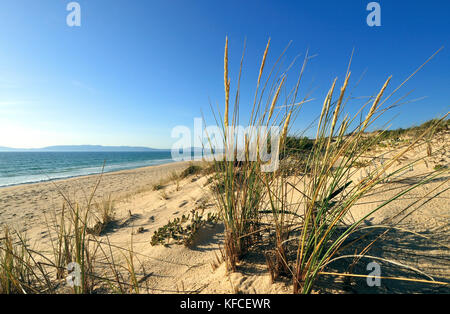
x: 24, y: 204
x: 139, y: 211
x: 86, y: 175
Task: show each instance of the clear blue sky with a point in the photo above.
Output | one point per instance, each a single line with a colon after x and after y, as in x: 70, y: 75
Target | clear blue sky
x: 137, y: 68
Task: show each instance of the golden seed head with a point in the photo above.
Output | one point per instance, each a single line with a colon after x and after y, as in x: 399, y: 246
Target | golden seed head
x: 286, y: 125
x: 375, y: 103
x: 275, y: 99
x: 263, y: 61
x: 338, y: 105
x: 326, y: 106
x: 227, y: 83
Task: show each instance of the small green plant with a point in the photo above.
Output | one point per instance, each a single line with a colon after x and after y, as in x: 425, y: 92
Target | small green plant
x: 183, y: 230
x: 440, y: 167
x: 360, y: 164
x: 158, y: 186
x: 191, y: 170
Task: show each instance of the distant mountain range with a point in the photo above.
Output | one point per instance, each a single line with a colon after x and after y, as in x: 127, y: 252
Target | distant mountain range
x: 82, y: 148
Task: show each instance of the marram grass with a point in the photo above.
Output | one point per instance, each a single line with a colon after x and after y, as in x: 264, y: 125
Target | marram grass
x: 314, y: 218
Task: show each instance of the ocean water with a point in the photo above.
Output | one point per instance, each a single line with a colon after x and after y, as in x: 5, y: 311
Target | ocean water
x: 29, y: 167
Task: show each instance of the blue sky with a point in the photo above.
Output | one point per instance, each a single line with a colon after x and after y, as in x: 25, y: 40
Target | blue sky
x: 137, y: 68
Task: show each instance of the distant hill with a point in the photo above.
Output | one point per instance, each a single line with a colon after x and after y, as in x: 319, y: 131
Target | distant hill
x: 82, y: 148
x: 7, y: 149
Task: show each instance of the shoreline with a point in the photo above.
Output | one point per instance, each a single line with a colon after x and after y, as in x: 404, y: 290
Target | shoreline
x: 139, y: 211
x: 25, y: 204
x: 89, y: 174
x: 106, y: 173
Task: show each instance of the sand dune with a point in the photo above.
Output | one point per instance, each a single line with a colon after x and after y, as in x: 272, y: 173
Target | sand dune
x: 420, y: 241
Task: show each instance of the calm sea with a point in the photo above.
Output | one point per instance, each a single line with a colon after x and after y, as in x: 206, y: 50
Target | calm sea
x: 29, y: 167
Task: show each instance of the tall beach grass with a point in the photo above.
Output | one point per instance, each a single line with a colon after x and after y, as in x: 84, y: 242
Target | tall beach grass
x: 307, y: 206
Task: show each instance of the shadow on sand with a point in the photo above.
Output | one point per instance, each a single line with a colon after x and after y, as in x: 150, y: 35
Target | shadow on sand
x: 394, y: 250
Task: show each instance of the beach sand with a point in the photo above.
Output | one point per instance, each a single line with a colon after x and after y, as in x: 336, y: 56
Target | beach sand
x: 420, y: 241
x: 23, y: 206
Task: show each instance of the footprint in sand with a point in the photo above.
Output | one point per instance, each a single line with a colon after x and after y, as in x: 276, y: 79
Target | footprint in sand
x: 183, y: 203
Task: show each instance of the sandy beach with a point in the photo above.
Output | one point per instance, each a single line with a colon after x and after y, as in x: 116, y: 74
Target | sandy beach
x: 24, y: 205
x: 420, y: 240
x: 248, y: 149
